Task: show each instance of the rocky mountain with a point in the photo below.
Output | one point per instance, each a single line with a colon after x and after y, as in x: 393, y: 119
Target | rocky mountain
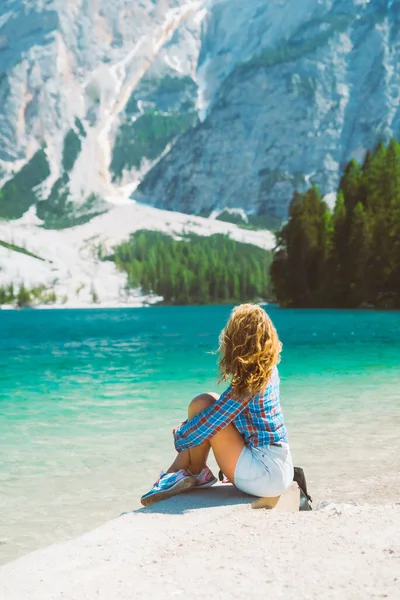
x: 189, y: 105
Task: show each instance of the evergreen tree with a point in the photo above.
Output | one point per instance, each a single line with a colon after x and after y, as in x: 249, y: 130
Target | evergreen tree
x: 352, y: 257
x: 359, y: 258
x: 195, y: 270
x: 393, y: 218
x: 351, y: 187
x: 23, y: 297
x: 10, y: 293
x: 337, y: 268
x: 298, y: 269
x: 392, y: 174
x: 374, y: 174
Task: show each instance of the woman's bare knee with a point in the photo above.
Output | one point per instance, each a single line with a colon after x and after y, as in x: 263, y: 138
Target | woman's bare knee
x: 201, y: 402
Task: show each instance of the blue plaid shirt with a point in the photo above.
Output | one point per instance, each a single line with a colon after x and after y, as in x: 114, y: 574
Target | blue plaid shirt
x: 260, y: 420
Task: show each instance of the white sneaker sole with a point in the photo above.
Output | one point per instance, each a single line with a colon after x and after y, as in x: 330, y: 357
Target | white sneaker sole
x: 206, y: 485
x: 181, y: 486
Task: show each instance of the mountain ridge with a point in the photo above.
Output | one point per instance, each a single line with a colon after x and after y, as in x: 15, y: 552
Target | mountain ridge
x: 203, y: 104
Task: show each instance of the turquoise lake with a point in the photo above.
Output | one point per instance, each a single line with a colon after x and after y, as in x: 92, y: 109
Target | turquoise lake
x: 88, y: 400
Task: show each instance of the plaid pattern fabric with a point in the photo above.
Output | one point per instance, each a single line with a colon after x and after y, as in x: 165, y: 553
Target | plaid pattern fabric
x: 260, y: 420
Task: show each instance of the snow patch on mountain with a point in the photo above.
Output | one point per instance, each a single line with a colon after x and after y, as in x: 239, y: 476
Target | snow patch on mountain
x: 69, y: 263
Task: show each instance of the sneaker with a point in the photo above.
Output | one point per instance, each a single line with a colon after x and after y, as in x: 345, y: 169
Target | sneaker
x: 168, y: 485
x: 205, y: 479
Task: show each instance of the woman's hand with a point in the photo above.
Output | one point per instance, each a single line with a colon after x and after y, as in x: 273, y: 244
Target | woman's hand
x: 177, y: 427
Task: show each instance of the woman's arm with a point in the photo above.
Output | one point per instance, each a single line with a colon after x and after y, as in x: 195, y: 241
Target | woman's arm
x: 205, y: 425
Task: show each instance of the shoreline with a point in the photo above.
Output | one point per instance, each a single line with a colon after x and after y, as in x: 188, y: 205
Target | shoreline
x: 149, y: 303
x: 212, y: 539
x: 156, y: 303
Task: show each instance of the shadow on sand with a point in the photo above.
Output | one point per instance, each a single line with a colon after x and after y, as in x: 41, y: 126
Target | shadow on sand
x: 218, y: 495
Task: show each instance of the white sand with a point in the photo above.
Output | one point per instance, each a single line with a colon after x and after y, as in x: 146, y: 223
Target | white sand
x: 211, y: 544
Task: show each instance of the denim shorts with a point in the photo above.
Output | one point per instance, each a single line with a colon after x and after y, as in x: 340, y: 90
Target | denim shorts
x: 266, y: 471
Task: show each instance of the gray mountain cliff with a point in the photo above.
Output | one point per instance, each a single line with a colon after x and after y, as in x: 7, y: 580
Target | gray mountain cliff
x: 202, y: 104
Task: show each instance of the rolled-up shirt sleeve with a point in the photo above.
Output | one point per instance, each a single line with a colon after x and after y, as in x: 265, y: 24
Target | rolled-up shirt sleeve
x: 208, y: 423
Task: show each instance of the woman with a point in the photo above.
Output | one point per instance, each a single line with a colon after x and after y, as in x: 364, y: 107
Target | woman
x: 244, y: 426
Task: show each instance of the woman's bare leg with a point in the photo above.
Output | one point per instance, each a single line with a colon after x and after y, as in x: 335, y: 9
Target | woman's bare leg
x: 227, y: 445
x: 182, y: 461
x: 196, y: 458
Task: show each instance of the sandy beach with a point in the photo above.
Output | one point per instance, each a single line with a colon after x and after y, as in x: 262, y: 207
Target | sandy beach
x: 211, y: 543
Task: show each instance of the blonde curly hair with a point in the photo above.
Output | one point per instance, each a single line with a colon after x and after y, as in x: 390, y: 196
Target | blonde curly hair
x: 249, y: 349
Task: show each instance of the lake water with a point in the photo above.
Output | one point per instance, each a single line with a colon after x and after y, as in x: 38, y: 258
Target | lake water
x: 88, y: 400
